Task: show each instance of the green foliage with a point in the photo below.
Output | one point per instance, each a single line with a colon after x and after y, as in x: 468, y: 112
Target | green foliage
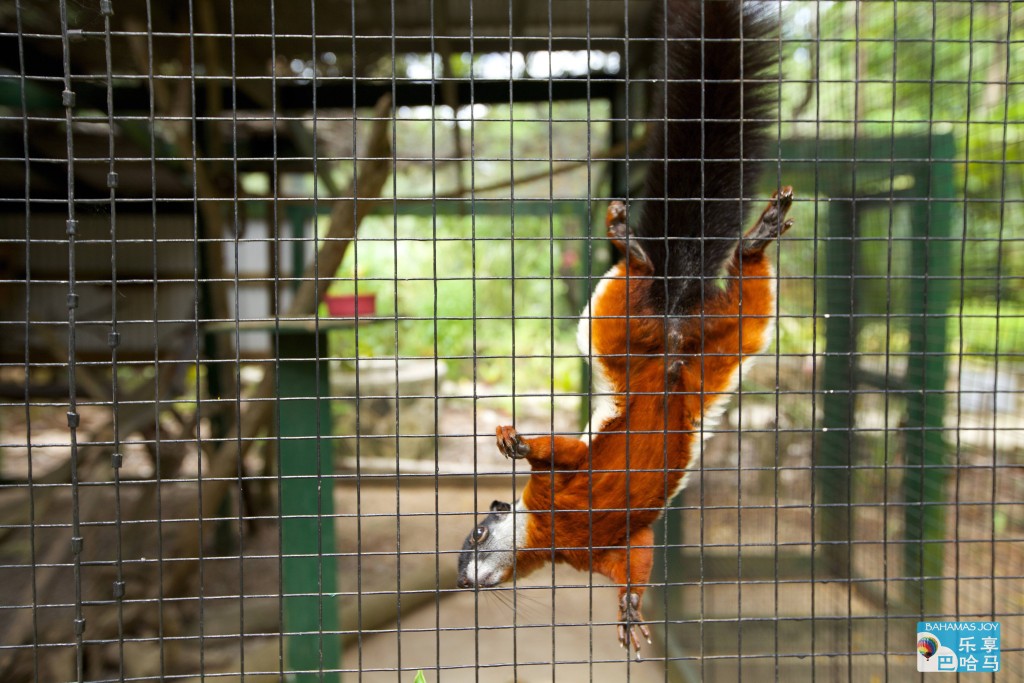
x: 453, y: 297
x: 448, y: 277
x: 988, y: 330
x: 420, y: 678
x: 886, y: 69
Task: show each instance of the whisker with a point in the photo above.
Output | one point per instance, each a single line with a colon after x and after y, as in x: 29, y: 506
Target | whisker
x: 522, y: 604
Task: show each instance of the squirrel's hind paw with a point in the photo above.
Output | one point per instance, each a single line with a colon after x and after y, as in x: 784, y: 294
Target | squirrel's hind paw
x: 631, y: 620
x: 617, y: 222
x: 771, y: 225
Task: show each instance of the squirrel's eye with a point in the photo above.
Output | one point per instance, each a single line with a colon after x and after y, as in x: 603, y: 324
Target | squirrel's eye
x: 479, y: 534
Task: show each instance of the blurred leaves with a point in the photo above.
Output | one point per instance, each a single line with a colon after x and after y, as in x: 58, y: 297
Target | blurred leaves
x: 886, y: 69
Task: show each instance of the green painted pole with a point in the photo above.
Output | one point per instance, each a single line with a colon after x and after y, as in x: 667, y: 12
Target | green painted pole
x: 307, y: 512
x: 836, y: 439
x: 664, y: 600
x: 926, y: 459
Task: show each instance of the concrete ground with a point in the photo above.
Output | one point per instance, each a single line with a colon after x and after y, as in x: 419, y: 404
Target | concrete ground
x: 477, y: 637
x: 464, y: 635
x: 450, y: 634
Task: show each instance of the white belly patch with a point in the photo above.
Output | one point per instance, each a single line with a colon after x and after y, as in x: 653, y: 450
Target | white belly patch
x: 603, y: 397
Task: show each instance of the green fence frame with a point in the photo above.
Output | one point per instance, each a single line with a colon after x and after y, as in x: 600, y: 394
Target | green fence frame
x: 854, y: 176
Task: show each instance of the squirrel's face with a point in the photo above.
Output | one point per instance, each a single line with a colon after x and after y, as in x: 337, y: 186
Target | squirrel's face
x: 488, y: 554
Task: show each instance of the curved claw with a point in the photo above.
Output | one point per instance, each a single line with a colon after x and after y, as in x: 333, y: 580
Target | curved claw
x: 511, y: 444
x: 631, y: 620
x: 783, y: 197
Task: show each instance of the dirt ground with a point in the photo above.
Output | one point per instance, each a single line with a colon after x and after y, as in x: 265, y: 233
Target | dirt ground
x: 749, y: 607
x: 508, y: 635
x: 492, y: 635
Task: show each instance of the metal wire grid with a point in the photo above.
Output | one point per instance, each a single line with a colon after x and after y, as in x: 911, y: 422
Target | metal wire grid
x: 216, y: 599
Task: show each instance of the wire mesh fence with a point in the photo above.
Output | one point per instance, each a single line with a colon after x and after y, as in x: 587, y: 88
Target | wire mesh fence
x: 274, y: 273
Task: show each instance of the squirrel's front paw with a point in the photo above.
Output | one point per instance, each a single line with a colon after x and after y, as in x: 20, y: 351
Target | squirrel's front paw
x: 511, y: 444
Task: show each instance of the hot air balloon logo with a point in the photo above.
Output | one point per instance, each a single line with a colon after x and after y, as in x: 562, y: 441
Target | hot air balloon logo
x: 927, y: 645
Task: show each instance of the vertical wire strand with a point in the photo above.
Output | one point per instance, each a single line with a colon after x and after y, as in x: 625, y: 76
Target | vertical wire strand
x: 858, y: 95
x: 27, y: 349
x: 397, y: 347
x: 197, y: 274
x: 888, y: 347
x: 999, y: 281
x: 669, y: 549
x: 816, y: 248
x: 356, y: 353
x: 72, y: 304
x: 436, y: 349
x: 588, y: 389
x: 627, y: 127
x: 113, y: 341
x: 702, y: 323
x: 960, y: 317
x: 317, y: 352
x: 274, y: 230
x: 154, y: 317
x: 551, y: 302
x: 236, y: 239
x: 551, y: 197
x: 701, y: 203
x: 474, y: 314
x: 928, y: 200
x: 512, y: 336
x: 777, y: 389
x: 669, y: 518
x: 739, y: 369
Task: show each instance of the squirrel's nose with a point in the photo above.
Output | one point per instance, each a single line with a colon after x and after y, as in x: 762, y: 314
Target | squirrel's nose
x: 463, y: 582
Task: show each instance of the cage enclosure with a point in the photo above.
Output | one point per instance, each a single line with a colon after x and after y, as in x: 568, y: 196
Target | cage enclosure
x: 274, y: 276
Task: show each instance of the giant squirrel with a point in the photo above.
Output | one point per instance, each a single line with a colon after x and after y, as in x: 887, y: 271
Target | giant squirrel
x: 665, y: 339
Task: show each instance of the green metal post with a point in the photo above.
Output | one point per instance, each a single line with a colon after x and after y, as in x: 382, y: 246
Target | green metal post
x: 837, y: 435
x: 307, y: 511
x: 924, y: 483
x: 665, y: 599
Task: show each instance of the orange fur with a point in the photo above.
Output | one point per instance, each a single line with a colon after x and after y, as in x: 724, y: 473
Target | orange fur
x: 590, y: 502
x: 599, y: 507
x: 665, y: 351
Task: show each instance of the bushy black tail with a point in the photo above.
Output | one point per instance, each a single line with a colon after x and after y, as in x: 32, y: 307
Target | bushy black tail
x: 713, y: 106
